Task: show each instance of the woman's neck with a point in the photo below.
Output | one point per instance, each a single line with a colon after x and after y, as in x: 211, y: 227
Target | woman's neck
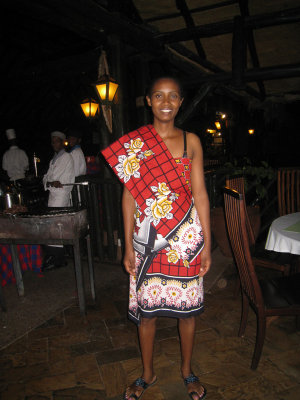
x: 165, y: 130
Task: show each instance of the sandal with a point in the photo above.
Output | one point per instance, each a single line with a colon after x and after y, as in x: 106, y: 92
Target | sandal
x: 193, y: 379
x: 139, y: 382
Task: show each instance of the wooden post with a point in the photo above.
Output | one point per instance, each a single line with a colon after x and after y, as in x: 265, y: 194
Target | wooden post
x: 117, y: 69
x: 239, y: 53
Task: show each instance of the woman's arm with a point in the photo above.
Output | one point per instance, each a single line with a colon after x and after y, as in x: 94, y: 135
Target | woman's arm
x: 128, y: 208
x: 201, y: 199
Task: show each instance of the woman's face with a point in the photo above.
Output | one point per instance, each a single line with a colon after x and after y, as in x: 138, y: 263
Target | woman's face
x: 165, y: 99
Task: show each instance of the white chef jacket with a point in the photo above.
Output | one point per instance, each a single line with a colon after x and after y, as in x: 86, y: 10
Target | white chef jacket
x: 15, y: 163
x: 61, y: 168
x: 79, y: 160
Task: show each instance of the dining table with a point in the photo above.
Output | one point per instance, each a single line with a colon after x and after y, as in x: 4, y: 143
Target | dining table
x: 284, y: 234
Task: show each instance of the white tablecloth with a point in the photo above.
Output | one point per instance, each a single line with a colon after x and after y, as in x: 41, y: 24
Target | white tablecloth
x: 281, y: 240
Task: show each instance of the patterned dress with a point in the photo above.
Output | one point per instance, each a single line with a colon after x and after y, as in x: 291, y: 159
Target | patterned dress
x: 168, y: 236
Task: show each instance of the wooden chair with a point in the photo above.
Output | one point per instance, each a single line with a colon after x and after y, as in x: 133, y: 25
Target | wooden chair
x: 268, y: 298
x: 288, y: 190
x: 262, y: 260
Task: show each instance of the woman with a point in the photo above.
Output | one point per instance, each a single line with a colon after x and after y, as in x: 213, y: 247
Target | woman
x: 164, y: 200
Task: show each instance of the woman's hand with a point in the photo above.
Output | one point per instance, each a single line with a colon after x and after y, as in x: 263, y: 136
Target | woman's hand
x: 129, y: 261
x: 205, y: 261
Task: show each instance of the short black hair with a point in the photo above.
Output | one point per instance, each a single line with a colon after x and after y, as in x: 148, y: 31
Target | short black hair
x: 158, y: 78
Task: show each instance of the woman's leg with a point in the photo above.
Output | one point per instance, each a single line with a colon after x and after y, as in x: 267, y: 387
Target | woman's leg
x: 186, y: 328
x: 146, y: 331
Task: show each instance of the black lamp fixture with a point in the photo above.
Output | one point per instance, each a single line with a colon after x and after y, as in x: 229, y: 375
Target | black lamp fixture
x: 106, y: 86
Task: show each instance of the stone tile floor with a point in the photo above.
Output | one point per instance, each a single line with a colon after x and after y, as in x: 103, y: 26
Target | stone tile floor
x: 94, y: 358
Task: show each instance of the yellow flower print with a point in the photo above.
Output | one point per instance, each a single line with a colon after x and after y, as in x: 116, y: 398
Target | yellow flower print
x: 148, y: 153
x: 163, y: 189
x: 172, y: 256
x: 131, y: 164
x: 186, y: 263
x: 161, y: 207
x: 135, y: 146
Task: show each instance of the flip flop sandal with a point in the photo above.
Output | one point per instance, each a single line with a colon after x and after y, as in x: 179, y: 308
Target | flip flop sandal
x: 193, y: 379
x: 139, y: 382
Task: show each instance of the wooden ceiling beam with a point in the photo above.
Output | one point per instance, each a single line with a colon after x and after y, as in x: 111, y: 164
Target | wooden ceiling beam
x: 243, y: 4
x: 192, y: 10
x: 226, y: 27
x: 251, y: 75
x: 182, y: 6
x: 193, y: 57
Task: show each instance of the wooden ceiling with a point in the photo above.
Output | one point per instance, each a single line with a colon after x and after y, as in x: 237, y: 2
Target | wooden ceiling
x: 270, y: 30
x: 50, y: 49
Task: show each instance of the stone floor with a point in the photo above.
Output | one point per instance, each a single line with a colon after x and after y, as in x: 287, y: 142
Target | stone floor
x: 94, y: 358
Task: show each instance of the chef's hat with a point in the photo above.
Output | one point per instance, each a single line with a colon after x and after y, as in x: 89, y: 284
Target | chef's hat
x: 59, y: 134
x: 11, y: 134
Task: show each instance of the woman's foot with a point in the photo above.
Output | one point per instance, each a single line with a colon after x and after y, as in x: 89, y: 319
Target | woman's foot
x: 136, y: 390
x: 195, y: 390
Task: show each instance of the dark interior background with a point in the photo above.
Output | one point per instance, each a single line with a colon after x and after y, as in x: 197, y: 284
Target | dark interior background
x: 49, y: 60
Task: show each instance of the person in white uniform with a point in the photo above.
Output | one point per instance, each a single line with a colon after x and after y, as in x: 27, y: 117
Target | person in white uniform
x: 74, y: 140
x: 60, y: 172
x: 15, y: 161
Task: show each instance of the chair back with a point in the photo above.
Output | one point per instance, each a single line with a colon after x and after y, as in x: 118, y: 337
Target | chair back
x: 239, y: 240
x: 237, y: 182
x: 288, y: 190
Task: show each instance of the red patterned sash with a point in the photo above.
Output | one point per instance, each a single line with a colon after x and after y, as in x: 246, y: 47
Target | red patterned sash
x: 164, y: 204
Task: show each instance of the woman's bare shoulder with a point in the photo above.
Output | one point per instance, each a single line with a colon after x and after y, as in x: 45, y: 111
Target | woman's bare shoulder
x: 193, y: 139
x: 192, y: 136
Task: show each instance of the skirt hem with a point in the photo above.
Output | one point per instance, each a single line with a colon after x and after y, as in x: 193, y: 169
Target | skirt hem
x: 164, y: 313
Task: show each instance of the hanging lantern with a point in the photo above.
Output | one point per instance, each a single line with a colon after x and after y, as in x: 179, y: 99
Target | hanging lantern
x: 89, y: 107
x: 106, y: 86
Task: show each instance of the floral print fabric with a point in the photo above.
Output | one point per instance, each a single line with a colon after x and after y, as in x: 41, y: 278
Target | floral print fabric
x: 168, y: 237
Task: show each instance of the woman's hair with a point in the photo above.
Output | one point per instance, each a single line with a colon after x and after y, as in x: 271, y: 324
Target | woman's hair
x: 154, y: 80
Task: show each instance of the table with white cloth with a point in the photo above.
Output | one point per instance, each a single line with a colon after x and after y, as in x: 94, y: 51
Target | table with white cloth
x: 284, y: 234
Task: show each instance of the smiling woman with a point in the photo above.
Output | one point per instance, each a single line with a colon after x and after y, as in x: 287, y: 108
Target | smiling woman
x: 165, y: 98
x: 166, y: 224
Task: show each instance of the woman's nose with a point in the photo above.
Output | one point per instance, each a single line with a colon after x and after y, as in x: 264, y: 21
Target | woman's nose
x: 166, y: 99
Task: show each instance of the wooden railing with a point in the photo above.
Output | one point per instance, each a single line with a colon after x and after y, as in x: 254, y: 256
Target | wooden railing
x: 102, y: 198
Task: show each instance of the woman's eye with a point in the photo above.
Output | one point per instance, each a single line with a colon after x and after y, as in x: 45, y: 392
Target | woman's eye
x: 174, y: 96
x: 158, y: 96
